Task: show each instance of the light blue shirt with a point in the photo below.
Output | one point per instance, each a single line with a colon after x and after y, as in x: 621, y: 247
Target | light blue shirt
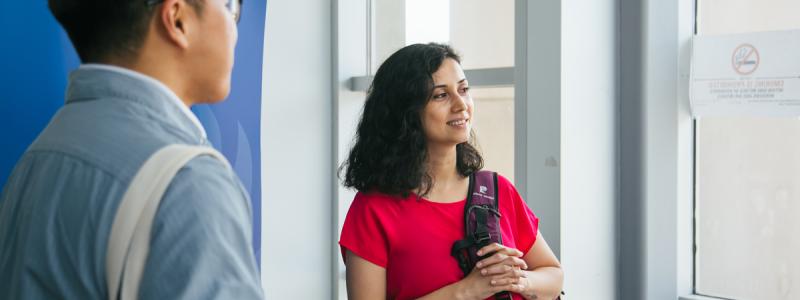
x: 58, y: 205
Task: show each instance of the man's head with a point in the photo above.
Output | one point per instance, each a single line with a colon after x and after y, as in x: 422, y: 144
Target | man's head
x: 187, y: 44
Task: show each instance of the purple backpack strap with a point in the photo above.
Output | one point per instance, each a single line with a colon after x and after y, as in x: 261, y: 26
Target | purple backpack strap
x: 483, y: 195
x: 481, y: 223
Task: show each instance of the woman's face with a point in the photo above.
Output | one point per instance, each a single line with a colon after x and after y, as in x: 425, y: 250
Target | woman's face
x: 447, y: 117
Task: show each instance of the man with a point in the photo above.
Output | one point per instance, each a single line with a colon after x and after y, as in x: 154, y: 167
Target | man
x: 145, y: 63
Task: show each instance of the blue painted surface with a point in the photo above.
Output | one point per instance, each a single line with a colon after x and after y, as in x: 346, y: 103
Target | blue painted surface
x: 234, y: 126
x: 36, y: 57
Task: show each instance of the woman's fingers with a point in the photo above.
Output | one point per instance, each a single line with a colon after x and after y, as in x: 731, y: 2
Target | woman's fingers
x: 506, y: 280
x: 491, y: 260
x: 502, y: 271
x: 511, y: 287
x: 504, y: 268
x: 496, y: 269
x: 501, y: 259
x: 495, y: 247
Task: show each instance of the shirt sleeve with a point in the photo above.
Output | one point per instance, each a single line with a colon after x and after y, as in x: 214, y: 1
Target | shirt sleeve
x: 525, y: 221
x: 363, y: 233
x: 201, y: 244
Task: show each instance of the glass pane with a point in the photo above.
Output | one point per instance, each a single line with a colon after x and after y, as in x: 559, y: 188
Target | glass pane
x: 494, y: 128
x: 740, y: 16
x: 748, y: 179
x: 481, y: 31
x: 748, y: 187
x: 431, y: 21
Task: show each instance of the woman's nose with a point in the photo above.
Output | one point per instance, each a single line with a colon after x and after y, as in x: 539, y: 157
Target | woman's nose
x: 459, y: 102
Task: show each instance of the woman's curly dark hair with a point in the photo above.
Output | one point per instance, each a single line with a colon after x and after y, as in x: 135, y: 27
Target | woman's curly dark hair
x: 390, y: 147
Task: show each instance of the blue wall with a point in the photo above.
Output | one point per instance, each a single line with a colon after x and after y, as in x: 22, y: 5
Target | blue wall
x: 234, y: 126
x: 36, y: 57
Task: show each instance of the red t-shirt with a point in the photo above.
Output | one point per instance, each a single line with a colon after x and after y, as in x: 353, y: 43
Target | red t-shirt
x: 411, y: 238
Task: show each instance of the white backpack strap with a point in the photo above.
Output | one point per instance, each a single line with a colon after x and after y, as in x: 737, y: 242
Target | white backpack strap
x: 129, y: 241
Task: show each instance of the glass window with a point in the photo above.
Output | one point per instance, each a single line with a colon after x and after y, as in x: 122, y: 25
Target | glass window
x: 747, y: 179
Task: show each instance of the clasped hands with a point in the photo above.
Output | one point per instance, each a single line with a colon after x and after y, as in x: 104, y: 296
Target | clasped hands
x: 504, y: 270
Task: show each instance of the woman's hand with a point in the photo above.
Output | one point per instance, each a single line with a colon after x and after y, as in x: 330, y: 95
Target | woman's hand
x: 477, y: 286
x: 505, y: 266
x: 503, y: 271
x: 537, y: 276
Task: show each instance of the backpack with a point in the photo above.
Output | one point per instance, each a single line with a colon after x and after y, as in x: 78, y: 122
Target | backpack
x: 481, y: 223
x: 129, y: 240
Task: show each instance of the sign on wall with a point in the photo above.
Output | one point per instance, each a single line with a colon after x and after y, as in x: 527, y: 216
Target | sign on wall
x: 754, y: 74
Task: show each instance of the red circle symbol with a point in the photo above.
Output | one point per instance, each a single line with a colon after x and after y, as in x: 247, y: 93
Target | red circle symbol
x: 745, y: 59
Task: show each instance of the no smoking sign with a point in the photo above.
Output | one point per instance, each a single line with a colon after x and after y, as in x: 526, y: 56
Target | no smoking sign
x: 745, y: 59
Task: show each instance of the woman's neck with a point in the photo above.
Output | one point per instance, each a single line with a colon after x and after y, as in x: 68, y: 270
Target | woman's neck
x: 448, y: 184
x: 442, y: 163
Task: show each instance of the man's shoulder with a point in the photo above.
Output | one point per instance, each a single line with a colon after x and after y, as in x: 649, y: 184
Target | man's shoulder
x: 104, y: 135
x: 209, y: 170
x: 207, y: 187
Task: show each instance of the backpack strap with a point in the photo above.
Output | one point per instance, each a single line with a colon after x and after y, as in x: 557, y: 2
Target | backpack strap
x: 481, y: 205
x: 129, y: 240
x: 481, y: 223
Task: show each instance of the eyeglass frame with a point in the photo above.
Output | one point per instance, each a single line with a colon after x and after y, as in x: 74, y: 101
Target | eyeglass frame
x: 237, y: 15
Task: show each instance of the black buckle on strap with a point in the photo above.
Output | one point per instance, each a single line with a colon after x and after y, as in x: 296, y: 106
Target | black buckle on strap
x: 482, y: 237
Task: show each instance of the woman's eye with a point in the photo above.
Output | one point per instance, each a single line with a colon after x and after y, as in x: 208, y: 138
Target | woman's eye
x: 464, y: 90
x: 440, y: 96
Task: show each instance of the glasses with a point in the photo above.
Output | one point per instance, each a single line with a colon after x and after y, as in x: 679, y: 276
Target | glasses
x: 233, y: 6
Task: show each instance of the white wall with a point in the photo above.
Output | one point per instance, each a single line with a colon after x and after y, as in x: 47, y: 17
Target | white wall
x: 296, y: 151
x: 589, y: 148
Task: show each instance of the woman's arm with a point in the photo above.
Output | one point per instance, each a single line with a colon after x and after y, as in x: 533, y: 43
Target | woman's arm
x: 541, y: 279
x: 366, y: 280
x: 473, y: 287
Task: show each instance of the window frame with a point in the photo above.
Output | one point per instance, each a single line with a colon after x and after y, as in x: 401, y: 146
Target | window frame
x: 656, y: 215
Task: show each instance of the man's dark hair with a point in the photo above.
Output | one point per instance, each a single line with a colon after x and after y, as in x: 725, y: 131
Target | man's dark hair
x: 101, y: 29
x: 390, y: 150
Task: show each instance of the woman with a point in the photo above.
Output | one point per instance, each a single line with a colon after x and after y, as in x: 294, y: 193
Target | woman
x: 411, y: 164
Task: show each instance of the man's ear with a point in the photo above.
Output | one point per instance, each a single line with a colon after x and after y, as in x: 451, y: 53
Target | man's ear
x: 172, y: 17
